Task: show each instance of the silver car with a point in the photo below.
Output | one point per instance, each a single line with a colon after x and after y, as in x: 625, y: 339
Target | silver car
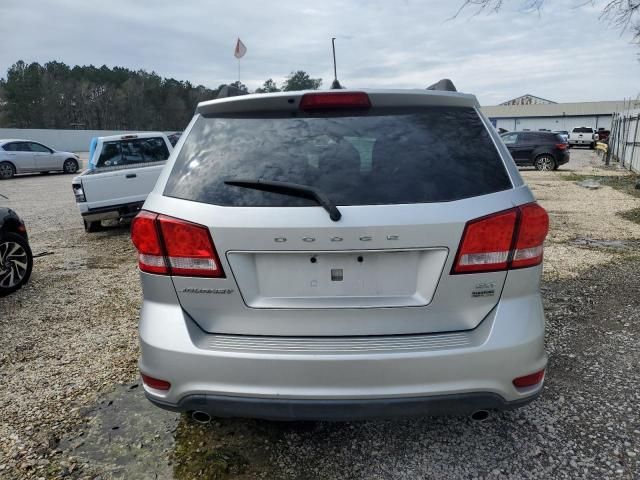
x: 25, y: 156
x: 341, y: 255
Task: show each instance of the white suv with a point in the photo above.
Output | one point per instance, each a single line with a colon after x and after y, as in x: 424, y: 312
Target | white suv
x: 341, y: 255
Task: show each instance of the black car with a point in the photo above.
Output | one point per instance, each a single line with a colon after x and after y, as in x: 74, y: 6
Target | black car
x: 544, y: 150
x: 16, y: 259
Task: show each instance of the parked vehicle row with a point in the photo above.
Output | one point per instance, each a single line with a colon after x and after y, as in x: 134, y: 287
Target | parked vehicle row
x: 328, y: 255
x: 25, y: 156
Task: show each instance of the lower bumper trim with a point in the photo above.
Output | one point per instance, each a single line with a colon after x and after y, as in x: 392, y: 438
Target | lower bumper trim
x: 342, y: 410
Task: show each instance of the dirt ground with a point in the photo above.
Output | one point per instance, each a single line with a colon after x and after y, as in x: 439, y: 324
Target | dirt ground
x: 71, y: 405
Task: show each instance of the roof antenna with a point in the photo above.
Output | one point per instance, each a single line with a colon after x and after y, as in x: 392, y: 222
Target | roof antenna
x: 336, y: 84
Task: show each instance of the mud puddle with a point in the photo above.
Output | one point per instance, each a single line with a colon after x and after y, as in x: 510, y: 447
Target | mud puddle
x: 127, y: 437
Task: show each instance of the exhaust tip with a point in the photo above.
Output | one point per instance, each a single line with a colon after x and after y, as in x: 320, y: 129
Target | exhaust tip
x: 201, y: 417
x: 480, y: 416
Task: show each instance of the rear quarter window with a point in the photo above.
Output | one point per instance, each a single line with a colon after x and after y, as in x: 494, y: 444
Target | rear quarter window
x: 434, y: 154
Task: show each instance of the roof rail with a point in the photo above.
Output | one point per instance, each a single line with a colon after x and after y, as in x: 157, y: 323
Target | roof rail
x: 230, y: 91
x: 445, y: 85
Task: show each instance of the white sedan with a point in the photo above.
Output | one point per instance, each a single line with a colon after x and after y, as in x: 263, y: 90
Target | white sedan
x: 24, y: 156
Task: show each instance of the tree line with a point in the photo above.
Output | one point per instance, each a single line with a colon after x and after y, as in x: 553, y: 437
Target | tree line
x: 55, y: 95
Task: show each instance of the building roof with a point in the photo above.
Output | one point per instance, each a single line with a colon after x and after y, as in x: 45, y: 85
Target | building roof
x: 555, y: 109
x: 527, y: 99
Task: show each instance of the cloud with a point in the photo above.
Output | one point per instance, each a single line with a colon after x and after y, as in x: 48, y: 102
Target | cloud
x: 560, y: 52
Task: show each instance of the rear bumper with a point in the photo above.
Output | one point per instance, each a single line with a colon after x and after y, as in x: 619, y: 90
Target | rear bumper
x: 337, y: 410
x: 341, y: 377
x: 111, y: 212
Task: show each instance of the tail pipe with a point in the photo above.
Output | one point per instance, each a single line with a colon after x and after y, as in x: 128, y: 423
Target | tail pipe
x: 480, y: 416
x: 201, y: 417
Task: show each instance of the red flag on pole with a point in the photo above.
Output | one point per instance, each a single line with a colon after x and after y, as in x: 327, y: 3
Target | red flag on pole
x: 240, y: 50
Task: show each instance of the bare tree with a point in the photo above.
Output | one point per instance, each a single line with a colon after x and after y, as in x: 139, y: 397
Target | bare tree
x: 623, y: 14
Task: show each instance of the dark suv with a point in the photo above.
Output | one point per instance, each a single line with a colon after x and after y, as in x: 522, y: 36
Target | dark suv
x: 543, y: 150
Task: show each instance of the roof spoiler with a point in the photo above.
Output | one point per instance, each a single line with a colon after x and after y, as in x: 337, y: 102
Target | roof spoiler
x: 230, y: 91
x: 445, y: 85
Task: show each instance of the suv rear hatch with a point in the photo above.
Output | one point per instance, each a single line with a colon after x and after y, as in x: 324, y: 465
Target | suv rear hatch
x: 405, y: 179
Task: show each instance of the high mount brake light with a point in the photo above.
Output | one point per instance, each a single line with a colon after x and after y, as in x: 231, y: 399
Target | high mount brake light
x: 170, y: 246
x: 505, y: 240
x: 334, y: 100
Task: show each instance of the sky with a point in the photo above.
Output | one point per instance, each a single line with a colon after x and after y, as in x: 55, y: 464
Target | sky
x: 563, y: 52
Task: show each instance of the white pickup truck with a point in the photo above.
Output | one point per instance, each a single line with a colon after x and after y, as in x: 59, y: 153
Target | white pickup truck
x: 123, y: 169
x: 583, y: 136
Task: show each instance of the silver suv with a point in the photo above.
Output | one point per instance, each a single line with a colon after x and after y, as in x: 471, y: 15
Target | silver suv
x: 341, y: 255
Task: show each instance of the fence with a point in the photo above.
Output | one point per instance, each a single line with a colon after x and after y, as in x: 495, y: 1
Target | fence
x: 624, y: 141
x: 65, y: 140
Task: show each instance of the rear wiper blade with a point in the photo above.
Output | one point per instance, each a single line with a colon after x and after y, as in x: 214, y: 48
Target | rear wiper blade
x: 291, y: 189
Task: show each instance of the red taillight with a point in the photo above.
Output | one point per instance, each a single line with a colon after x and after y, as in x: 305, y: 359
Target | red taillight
x: 146, y: 238
x: 562, y: 146
x: 155, y: 383
x: 170, y: 246
x: 508, y: 239
x: 486, y: 243
x: 529, y: 380
x: 330, y: 100
x: 189, y: 248
x: 533, y: 229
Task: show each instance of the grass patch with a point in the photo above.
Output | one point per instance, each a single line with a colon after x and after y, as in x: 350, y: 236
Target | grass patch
x: 622, y: 183
x: 575, y: 177
x: 632, y: 215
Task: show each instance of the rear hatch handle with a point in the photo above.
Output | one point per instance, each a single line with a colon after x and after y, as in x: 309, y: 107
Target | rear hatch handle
x: 291, y: 189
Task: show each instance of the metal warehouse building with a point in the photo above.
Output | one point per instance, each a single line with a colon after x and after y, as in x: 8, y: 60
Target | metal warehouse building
x: 534, y: 113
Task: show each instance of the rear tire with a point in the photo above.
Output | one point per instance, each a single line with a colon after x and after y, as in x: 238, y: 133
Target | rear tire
x: 592, y: 145
x: 92, y: 227
x: 16, y: 263
x: 7, y: 171
x: 70, y: 165
x: 545, y: 163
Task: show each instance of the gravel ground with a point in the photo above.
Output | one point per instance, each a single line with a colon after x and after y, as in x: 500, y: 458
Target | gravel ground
x: 71, y: 405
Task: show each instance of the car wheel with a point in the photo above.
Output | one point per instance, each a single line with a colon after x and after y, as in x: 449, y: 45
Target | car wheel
x: 16, y: 263
x: 545, y: 163
x: 70, y: 166
x: 92, y: 227
x: 6, y: 170
x: 592, y: 145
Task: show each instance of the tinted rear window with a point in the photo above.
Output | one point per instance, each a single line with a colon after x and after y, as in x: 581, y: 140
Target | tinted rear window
x: 436, y: 154
x: 583, y: 130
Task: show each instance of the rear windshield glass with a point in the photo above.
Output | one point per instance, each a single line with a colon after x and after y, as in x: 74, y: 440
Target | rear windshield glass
x: 131, y: 151
x: 435, y: 154
x: 583, y: 130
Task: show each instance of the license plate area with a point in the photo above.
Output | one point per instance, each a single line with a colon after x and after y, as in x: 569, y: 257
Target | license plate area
x: 348, y: 279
